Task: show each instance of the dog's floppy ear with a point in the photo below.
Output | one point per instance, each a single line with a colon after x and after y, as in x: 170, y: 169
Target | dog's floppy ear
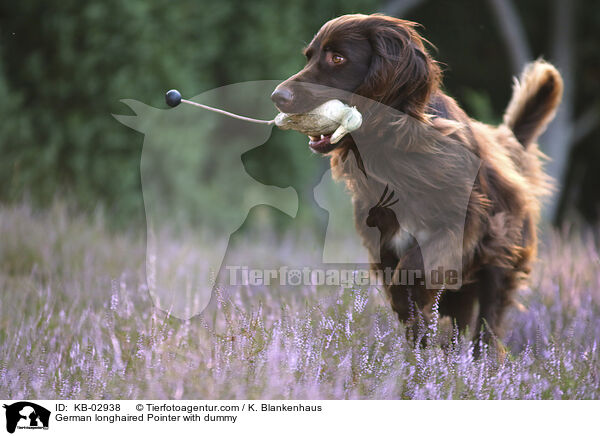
x: 402, y: 74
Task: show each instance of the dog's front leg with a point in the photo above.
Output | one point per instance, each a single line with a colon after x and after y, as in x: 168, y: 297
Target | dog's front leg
x: 410, y: 298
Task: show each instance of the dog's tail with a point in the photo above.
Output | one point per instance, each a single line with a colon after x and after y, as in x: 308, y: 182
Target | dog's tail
x: 536, y: 95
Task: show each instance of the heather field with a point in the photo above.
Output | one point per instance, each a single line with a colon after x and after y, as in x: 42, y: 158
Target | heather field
x: 76, y: 322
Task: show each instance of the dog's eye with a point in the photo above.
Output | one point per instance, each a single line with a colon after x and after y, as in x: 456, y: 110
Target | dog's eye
x: 336, y: 59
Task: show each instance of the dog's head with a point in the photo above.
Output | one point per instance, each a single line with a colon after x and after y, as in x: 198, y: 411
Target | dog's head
x: 373, y: 56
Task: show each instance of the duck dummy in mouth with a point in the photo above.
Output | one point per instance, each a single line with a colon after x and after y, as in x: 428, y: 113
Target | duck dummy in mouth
x: 328, y: 122
x: 325, y: 125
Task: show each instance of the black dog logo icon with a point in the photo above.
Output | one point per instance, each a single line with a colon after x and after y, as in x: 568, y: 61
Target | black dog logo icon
x: 33, y: 416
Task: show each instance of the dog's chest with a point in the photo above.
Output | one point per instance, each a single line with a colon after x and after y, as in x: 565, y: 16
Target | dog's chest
x: 399, y: 231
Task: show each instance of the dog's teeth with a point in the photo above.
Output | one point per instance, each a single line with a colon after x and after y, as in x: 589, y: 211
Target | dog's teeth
x: 322, y: 136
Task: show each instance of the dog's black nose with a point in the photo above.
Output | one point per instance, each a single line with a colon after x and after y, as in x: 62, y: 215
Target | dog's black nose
x: 282, y: 97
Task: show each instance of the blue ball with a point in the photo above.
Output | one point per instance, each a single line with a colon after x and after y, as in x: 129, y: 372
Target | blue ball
x: 173, y: 97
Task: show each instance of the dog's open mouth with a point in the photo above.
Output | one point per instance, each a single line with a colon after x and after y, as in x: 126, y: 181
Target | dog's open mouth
x: 321, y: 144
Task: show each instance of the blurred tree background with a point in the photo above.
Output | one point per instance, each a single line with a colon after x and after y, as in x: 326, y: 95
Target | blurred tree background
x: 65, y: 65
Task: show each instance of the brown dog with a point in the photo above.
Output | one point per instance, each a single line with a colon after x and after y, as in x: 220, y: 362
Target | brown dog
x: 421, y: 144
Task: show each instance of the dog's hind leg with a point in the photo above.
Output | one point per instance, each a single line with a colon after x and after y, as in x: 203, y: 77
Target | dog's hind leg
x: 496, y: 287
x: 460, y: 306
